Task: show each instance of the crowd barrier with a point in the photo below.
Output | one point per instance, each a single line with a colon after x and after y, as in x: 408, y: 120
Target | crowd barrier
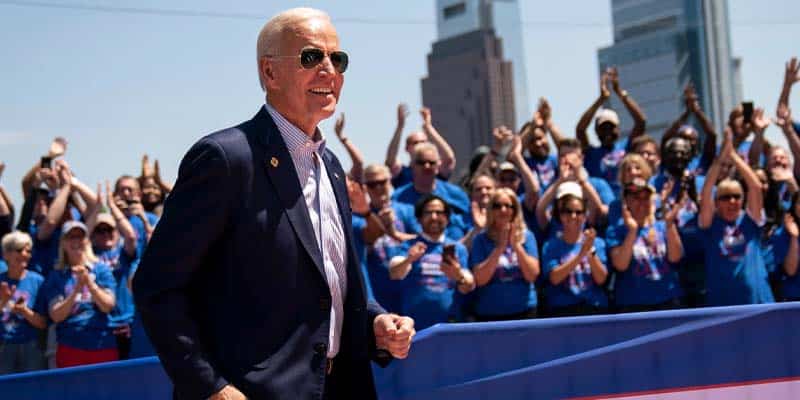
x: 743, y: 352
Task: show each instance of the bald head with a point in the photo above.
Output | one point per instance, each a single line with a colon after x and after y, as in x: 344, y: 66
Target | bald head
x: 279, y: 27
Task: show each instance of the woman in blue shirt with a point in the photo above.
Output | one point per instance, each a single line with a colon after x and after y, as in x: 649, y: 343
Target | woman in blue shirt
x: 735, y: 270
x: 574, y: 262
x: 20, y: 308
x: 644, y: 252
x: 80, y: 296
x: 504, y: 261
x: 784, y: 242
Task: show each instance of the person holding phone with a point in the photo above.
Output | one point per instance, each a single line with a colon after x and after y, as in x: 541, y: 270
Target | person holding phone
x: 80, y: 298
x: 505, y: 262
x: 21, y: 308
x: 432, y: 266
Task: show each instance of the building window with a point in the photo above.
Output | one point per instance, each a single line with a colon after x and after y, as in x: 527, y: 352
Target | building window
x: 455, y: 10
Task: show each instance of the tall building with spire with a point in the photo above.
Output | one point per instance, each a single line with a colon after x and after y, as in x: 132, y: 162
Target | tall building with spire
x: 476, y: 72
x: 660, y: 46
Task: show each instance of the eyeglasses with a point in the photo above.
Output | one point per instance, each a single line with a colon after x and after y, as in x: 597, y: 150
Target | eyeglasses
x: 433, y: 212
x: 310, y: 57
x: 508, y: 179
x: 376, y: 184
x: 426, y: 163
x: 730, y: 196
x: 568, y: 211
x: 498, y: 206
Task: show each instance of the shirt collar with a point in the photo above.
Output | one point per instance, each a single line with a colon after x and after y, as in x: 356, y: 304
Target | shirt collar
x: 440, y: 239
x: 296, y: 140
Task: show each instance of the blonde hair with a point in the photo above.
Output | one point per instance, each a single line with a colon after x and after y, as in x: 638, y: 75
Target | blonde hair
x: 637, y: 159
x: 62, y: 256
x: 420, y: 148
x: 516, y: 221
x: 377, y: 168
x: 272, y: 33
x: 16, y: 240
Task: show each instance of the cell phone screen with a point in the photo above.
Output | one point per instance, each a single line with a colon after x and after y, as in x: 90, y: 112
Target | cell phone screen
x: 747, y: 110
x: 449, y: 249
x: 45, y: 162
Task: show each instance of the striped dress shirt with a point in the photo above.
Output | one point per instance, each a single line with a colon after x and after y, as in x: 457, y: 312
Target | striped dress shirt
x: 324, y: 213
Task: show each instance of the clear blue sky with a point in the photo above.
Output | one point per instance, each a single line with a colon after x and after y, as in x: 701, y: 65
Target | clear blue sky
x: 121, y: 84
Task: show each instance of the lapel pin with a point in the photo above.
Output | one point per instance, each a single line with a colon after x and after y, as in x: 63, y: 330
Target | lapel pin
x: 274, y: 162
x: 336, y: 175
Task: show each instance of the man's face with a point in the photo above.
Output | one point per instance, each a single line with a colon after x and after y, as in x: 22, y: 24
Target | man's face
x: 481, y: 191
x: 538, y: 146
x: 104, y: 236
x: 128, y: 190
x: 508, y: 179
x: 378, y: 187
x: 304, y: 96
x: 151, y: 192
x: 573, y: 158
x: 414, y: 139
x: 433, y: 219
x: 677, y: 156
x: 608, y: 133
x: 690, y: 135
x: 729, y: 200
x: 426, y: 166
x: 778, y: 159
x: 649, y: 152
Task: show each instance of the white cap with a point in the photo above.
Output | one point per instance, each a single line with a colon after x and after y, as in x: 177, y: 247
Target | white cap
x: 569, y: 188
x: 607, y: 115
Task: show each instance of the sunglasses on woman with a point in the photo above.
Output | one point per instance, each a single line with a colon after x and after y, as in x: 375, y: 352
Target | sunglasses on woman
x: 571, y: 212
x: 729, y: 196
x: 310, y: 57
x: 498, y: 206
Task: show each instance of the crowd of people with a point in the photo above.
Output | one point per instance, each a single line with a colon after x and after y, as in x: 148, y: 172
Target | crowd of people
x: 632, y: 224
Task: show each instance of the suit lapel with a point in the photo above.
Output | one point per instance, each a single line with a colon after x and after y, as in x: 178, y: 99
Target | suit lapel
x: 281, y: 171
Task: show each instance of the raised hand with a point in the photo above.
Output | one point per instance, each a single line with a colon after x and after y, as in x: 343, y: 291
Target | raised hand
x: 425, y: 112
x: 387, y: 217
x: 630, y: 222
x: 402, y: 113
x: 690, y: 96
x: 792, y: 73
x: 63, y: 172
x: 146, y: 170
x: 727, y: 149
x: 338, y: 127
x: 589, y: 236
x: 2, y: 168
x: 790, y: 225
x: 760, y: 121
x: 500, y: 136
x: 478, y: 215
x: 416, y: 251
x: 666, y: 190
x: 57, y: 147
x: 545, y: 112
x: 672, y: 214
x: 604, y: 92
x: 358, y: 198
x: 783, y: 115
x: 516, y: 146
x: 613, y: 76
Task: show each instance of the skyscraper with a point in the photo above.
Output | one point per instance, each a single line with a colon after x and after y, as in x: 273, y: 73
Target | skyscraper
x: 476, y: 72
x: 660, y: 46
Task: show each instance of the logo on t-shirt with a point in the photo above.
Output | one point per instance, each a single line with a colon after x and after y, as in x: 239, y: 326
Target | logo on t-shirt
x: 10, y: 320
x: 546, y: 173
x: 432, y: 276
x: 649, y: 251
x: 507, y: 267
x: 610, y: 162
x: 580, y: 278
x: 731, y: 244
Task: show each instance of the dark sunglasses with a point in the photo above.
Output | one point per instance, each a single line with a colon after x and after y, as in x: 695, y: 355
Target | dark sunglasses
x: 498, y: 206
x: 311, y: 57
x: 434, y: 212
x: 568, y: 211
x: 104, y: 230
x: 376, y: 184
x: 425, y: 163
x: 728, y: 197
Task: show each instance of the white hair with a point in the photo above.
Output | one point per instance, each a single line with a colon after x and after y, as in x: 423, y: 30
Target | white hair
x: 420, y: 148
x: 16, y: 240
x: 271, y: 35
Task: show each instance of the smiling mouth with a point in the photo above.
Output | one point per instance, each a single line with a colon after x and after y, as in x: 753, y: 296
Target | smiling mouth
x: 321, y: 91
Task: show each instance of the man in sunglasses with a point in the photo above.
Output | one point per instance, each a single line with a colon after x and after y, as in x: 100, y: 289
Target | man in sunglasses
x: 250, y: 286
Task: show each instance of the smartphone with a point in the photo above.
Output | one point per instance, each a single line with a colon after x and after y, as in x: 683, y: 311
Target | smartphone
x: 45, y: 162
x: 747, y: 110
x: 449, y: 250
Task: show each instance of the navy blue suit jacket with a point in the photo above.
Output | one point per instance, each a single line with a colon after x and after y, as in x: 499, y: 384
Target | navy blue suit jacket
x: 231, y: 288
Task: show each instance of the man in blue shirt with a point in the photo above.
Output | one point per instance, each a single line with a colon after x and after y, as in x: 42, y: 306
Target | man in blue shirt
x: 603, y: 161
x: 431, y: 266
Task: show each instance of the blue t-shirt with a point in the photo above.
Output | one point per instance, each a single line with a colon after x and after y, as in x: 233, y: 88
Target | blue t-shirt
x: 402, y: 178
x: 387, y: 292
x: 604, y: 189
x: 359, y: 223
x: 507, y: 292
x: 3, y: 266
x: 579, y: 286
x: 453, y: 194
x: 44, y: 253
x: 86, y: 327
x: 15, y: 328
x: 141, y: 232
x: 122, y: 266
x: 427, y: 292
x: 735, y: 270
x: 546, y: 169
x: 650, y: 278
x: 790, y: 285
x: 602, y: 162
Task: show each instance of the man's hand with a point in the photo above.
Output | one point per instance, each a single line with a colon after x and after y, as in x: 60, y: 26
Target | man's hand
x: 589, y: 236
x: 792, y: 73
x: 358, y: 199
x: 416, y: 251
x: 402, y: 113
x: 784, y: 116
x: 451, y: 267
x: 760, y: 121
x: 613, y: 76
x: 57, y: 148
x: 394, y: 334
x: 338, y: 127
x: 147, y: 171
x: 228, y: 393
x: 425, y: 112
x: 604, y: 92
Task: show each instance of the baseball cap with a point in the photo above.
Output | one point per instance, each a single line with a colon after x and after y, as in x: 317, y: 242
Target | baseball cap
x: 103, y: 218
x: 507, y: 166
x: 569, y: 189
x: 70, y: 225
x: 607, y: 115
